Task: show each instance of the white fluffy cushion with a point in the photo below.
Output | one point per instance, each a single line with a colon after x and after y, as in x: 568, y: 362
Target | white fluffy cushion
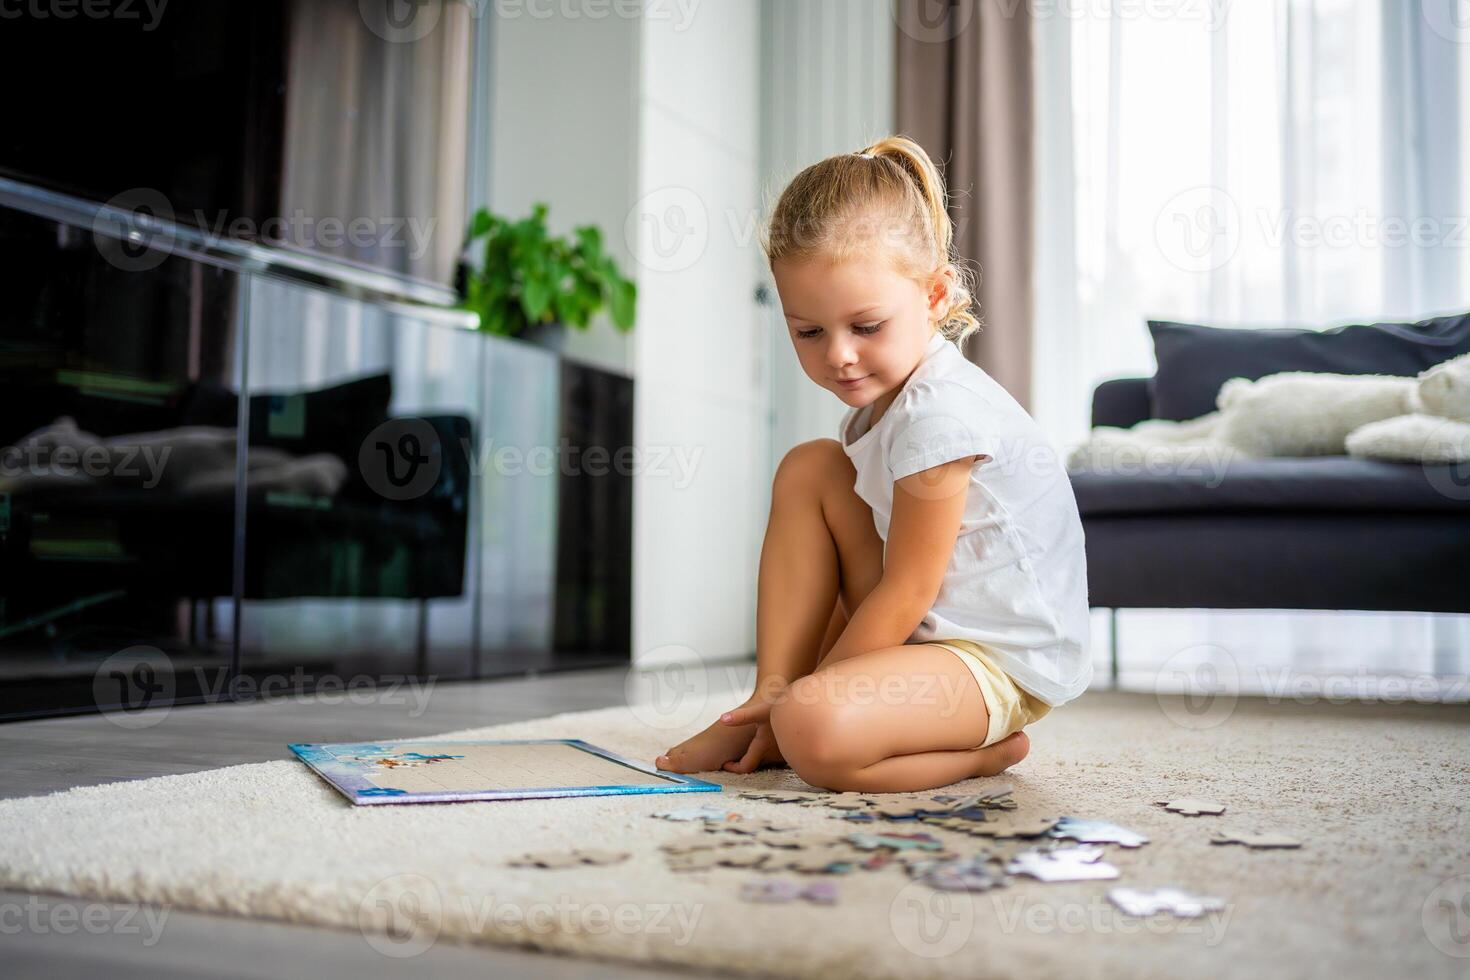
x: 1445, y: 388
x: 1298, y: 413
x: 1413, y: 438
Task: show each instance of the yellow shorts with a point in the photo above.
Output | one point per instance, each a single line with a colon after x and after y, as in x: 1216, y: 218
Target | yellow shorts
x: 1010, y: 708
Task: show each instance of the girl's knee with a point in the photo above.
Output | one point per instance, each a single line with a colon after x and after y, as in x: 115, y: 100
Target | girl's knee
x: 811, y: 463
x: 816, y: 736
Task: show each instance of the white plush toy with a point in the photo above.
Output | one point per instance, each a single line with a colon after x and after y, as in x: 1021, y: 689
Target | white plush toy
x: 1424, y: 419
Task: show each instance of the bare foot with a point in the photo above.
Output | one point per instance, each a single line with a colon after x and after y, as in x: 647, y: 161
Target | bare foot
x: 709, y: 750
x: 996, y: 759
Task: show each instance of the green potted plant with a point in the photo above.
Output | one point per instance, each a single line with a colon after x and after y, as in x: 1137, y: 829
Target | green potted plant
x: 532, y: 284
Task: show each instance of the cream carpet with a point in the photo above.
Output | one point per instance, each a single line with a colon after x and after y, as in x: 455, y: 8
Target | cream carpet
x: 1379, y: 793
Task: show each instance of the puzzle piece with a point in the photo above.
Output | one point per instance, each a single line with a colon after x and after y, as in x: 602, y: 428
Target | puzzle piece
x: 785, y: 890
x: 699, y: 842
x: 796, y: 840
x: 1009, y: 826
x: 1136, y: 902
x: 749, y: 828
x: 786, y: 796
x: 965, y: 825
x: 1191, y: 807
x: 699, y: 813
x: 899, y: 842
x: 1257, y: 839
x: 995, y: 798
x: 567, y: 859
x: 976, y: 873
x: 817, y: 860
x: 1095, y: 832
x: 1062, y: 864
x: 742, y: 856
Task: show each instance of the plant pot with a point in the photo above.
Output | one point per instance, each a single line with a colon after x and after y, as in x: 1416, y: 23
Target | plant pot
x: 552, y: 336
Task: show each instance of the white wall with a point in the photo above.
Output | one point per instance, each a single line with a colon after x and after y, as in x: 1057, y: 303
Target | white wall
x: 699, y: 348
x: 674, y: 132
x: 827, y: 87
x: 564, y: 131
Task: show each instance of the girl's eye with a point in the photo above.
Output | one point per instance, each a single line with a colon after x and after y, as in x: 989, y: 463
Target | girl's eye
x: 808, y: 334
x: 868, y: 328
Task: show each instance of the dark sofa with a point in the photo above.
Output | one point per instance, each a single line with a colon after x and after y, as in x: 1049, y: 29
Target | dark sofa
x: 1331, y: 532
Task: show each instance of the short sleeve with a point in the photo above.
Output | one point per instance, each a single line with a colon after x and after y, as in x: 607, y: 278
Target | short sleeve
x: 937, y: 422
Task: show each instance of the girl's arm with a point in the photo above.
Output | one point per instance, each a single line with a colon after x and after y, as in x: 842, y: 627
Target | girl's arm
x: 928, y: 507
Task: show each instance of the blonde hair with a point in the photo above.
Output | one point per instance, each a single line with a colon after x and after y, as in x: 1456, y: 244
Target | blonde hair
x: 890, y: 190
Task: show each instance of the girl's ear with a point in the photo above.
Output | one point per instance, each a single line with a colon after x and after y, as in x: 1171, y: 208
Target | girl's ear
x: 939, y: 291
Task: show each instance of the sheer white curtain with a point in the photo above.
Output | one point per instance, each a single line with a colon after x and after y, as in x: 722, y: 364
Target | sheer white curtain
x: 1263, y: 163
x: 1277, y: 162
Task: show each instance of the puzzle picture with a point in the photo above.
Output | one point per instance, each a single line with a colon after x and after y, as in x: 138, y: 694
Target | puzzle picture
x: 515, y: 769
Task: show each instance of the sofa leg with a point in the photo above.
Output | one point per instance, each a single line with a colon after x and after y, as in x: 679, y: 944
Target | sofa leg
x: 1113, y: 644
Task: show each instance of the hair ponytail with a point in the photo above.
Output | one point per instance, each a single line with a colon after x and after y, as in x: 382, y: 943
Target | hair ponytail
x: 824, y: 208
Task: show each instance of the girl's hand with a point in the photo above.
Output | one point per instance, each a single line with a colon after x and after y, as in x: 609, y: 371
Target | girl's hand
x: 757, y: 709
x: 752, y: 713
x: 763, y: 750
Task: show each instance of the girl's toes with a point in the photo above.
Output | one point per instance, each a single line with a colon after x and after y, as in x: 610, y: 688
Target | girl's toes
x: 997, y: 758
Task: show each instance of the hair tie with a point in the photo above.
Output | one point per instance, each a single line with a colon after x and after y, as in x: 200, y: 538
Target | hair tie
x: 866, y: 156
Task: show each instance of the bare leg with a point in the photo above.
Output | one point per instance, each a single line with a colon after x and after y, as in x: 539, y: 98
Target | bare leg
x: 820, y: 543
x: 894, y: 720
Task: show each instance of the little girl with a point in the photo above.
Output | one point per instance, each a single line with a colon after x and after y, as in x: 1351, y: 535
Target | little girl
x: 922, y: 592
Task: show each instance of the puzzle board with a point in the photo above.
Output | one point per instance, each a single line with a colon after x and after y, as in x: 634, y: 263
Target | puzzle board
x: 518, y: 769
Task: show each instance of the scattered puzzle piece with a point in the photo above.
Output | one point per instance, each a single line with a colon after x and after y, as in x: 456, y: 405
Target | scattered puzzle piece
x: 700, y: 813
x: 786, y: 796
x: 789, y: 839
x: 819, y: 860
x: 1095, y: 832
x: 1008, y: 826
x: 976, y: 873
x: 700, y: 842
x: 1133, y: 901
x: 965, y: 825
x: 567, y: 859
x: 1191, y: 807
x: 1257, y: 839
x: 899, y: 842
x: 749, y: 828
x: 741, y: 856
x: 785, y: 890
x: 1062, y: 864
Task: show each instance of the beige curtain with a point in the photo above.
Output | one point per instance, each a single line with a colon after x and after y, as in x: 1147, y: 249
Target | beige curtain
x: 963, y: 76
x: 376, y: 129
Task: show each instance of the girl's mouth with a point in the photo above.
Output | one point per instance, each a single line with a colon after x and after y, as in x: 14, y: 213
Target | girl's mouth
x: 854, y: 382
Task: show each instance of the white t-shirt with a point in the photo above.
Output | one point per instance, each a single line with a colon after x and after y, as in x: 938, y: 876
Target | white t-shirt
x: 1017, y: 581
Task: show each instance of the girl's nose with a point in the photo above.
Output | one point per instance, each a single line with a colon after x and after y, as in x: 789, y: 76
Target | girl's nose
x: 839, y: 354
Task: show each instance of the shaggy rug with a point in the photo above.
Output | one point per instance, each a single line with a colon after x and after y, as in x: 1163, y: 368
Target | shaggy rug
x: 1378, y: 794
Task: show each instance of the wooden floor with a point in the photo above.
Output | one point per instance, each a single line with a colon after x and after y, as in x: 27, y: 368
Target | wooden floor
x: 56, y: 754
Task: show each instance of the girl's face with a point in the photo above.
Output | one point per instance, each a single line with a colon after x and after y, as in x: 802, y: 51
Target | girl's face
x: 859, y: 327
